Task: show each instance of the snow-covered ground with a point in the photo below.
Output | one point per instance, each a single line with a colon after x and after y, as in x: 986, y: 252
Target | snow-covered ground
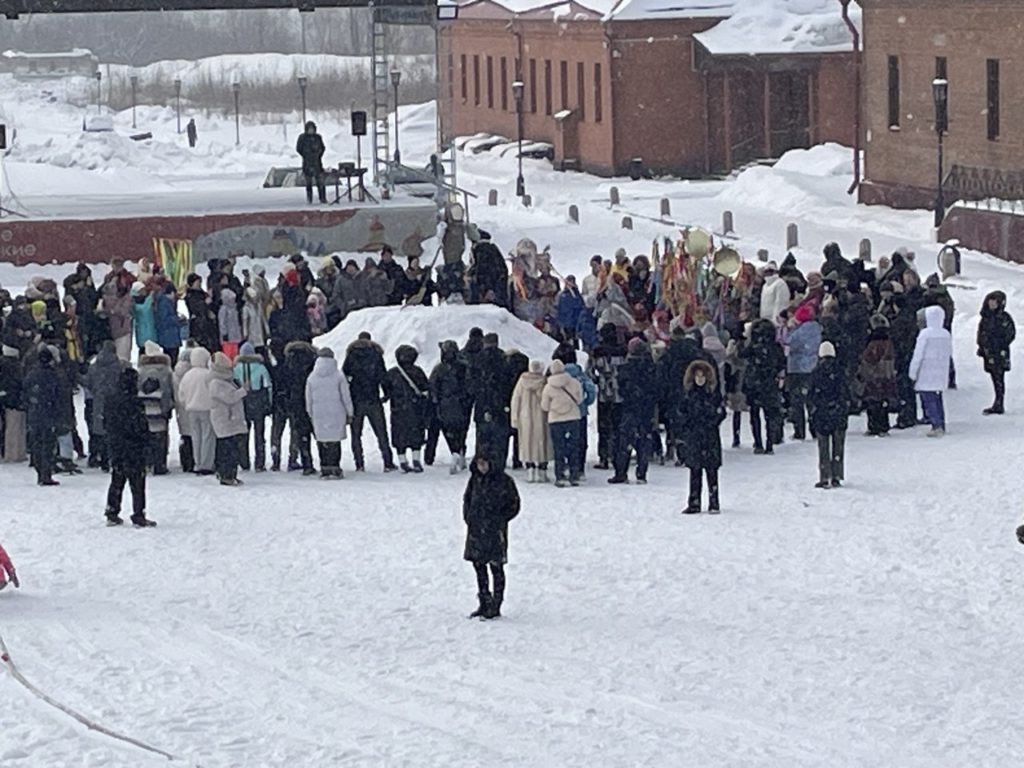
x: 297, y: 623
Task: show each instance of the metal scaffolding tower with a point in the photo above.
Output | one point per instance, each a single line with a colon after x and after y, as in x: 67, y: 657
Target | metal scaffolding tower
x: 379, y: 77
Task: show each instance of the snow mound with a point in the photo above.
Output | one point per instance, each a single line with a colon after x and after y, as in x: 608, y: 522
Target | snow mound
x: 780, y: 27
x: 821, y: 160
x: 426, y: 327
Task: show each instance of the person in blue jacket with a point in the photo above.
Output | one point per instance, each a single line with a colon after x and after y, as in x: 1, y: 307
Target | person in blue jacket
x: 568, y: 310
x: 143, y: 316
x: 251, y: 371
x: 168, y: 330
x: 567, y: 355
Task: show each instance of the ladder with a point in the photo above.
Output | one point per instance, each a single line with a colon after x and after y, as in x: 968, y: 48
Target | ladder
x: 380, y: 81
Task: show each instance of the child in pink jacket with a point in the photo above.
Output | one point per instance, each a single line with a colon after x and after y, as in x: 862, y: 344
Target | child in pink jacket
x: 7, y: 570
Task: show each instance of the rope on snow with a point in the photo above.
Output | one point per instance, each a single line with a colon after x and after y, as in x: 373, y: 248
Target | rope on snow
x: 5, y: 656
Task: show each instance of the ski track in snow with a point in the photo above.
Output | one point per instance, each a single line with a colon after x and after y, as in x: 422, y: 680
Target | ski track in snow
x: 298, y: 623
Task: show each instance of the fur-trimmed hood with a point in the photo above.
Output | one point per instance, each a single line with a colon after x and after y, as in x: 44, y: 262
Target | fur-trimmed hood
x: 365, y: 344
x: 294, y: 346
x: 710, y: 375
x: 160, y: 359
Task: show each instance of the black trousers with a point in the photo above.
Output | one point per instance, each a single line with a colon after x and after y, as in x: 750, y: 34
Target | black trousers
x: 330, y: 456
x: 374, y: 413
x: 999, y: 385
x: 797, y: 387
x: 632, y: 434
x: 907, y: 412
x: 302, y: 440
x: 318, y: 179
x: 258, y: 430
x: 483, y: 583
x: 185, y: 455
x: 878, y: 416
x: 433, y: 437
x: 43, y: 447
x: 136, y: 480
x: 492, y: 441
x: 156, y: 448
x: 608, y: 417
x: 831, y: 455
x: 772, y: 425
x: 697, y: 488
x: 278, y: 421
x: 226, y: 457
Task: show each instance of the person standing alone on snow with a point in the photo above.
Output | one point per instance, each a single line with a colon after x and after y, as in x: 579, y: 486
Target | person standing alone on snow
x: 830, y: 407
x: 996, y: 333
x: 929, y: 368
x: 128, y: 436
x: 193, y: 133
x: 310, y: 147
x: 703, y: 412
x: 490, y: 502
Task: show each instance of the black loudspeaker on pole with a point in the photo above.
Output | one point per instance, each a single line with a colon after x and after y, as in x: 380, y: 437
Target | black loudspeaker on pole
x: 358, y: 123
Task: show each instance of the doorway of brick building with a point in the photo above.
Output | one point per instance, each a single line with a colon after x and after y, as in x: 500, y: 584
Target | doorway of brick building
x: 790, y: 119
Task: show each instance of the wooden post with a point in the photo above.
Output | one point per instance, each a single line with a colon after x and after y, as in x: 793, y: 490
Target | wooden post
x: 727, y: 98
x: 627, y: 222
x: 613, y: 196
x: 762, y: 254
x: 727, y: 223
x: 666, y: 208
x: 767, y: 114
x: 865, y: 250
x: 527, y: 201
x: 574, y: 214
x: 492, y: 198
x: 792, y: 237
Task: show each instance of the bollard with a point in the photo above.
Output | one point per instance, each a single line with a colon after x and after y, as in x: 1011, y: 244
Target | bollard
x: 527, y: 200
x: 492, y: 198
x: 865, y: 250
x: 613, y: 194
x: 762, y: 254
x: 666, y: 208
x: 792, y: 237
x: 574, y: 214
x: 627, y: 222
x: 727, y: 227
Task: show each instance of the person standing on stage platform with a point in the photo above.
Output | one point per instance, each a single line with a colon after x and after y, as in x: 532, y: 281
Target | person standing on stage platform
x: 311, y: 148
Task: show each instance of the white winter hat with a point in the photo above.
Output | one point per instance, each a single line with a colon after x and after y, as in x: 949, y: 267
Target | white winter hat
x: 826, y: 349
x: 151, y: 349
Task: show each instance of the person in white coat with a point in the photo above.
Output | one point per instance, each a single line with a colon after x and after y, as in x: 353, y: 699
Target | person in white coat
x: 529, y: 418
x: 560, y: 400
x: 329, y: 405
x: 255, y: 329
x: 227, y: 417
x: 775, y: 294
x: 929, y: 368
x: 194, y: 397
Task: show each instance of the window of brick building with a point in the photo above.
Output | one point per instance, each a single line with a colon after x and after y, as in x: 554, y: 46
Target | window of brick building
x: 533, y: 86
x: 581, y: 89
x: 548, y: 95
x: 993, y: 99
x: 504, y: 84
x: 464, y: 75
x: 563, y: 76
x: 598, y: 100
x: 476, y: 80
x: 490, y: 82
x: 894, y: 91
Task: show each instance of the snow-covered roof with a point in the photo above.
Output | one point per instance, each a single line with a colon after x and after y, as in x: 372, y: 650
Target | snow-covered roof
x: 768, y: 27
x: 74, y: 53
x: 641, y: 10
x: 557, y: 9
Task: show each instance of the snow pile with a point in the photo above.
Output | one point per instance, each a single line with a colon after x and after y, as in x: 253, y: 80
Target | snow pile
x: 640, y: 10
x: 426, y: 327
x: 781, y: 27
x: 822, y: 160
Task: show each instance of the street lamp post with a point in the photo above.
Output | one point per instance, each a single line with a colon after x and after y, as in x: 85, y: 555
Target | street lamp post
x: 303, y: 82
x: 177, y: 100
x: 237, y: 87
x: 517, y: 92
x: 135, y: 92
x: 940, y: 94
x: 396, y: 78
x: 99, y: 91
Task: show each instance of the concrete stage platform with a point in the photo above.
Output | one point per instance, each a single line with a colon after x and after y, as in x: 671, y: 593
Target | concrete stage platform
x: 260, y: 222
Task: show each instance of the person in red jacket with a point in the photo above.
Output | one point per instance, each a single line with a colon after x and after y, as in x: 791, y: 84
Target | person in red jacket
x: 7, y: 572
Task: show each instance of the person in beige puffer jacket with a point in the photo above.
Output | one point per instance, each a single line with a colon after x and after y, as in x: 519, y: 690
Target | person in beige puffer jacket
x: 560, y: 400
x: 529, y: 418
x: 227, y: 417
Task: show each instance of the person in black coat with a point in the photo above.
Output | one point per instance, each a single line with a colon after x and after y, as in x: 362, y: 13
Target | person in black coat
x: 830, y: 408
x: 488, y: 273
x: 683, y: 349
x: 794, y: 278
x: 451, y: 399
x: 903, y: 332
x: 491, y: 500
x: 638, y: 387
x: 606, y: 360
x: 310, y: 147
x: 20, y: 329
x: 837, y: 263
x: 368, y: 382
x: 409, y: 392
x: 79, y: 286
x: 996, y: 332
x: 128, y: 432
x: 491, y: 384
x: 703, y: 413
x: 43, y: 415
x: 518, y: 364
x: 765, y: 363
x: 202, y: 323
x: 299, y: 359
x: 395, y: 274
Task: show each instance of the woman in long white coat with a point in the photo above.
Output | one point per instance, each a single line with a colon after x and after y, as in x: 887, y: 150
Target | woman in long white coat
x: 329, y: 405
x: 532, y: 422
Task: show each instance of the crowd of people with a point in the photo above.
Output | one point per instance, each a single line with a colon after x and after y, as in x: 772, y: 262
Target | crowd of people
x: 774, y: 343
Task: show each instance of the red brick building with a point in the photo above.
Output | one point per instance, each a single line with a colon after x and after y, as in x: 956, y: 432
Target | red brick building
x: 689, y: 86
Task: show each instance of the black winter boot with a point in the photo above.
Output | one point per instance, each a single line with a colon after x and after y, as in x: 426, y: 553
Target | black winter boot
x: 485, y: 606
x: 494, y: 610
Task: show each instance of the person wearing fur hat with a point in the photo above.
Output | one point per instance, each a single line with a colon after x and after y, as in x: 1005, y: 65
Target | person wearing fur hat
x: 7, y: 572
x: 410, y: 408
x: 128, y: 430
x: 194, y: 397
x: 490, y: 502
x: 310, y: 147
x: 252, y: 372
x: 42, y: 397
x: 703, y: 413
x: 876, y: 377
x: 830, y: 409
x: 488, y: 273
x: 255, y: 328
x: 329, y: 405
x: 996, y: 332
x: 529, y: 419
x: 156, y: 390
x: 560, y: 401
x: 227, y: 417
x: 802, y: 342
x: 452, y: 401
x: 327, y: 276
x: 638, y: 387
